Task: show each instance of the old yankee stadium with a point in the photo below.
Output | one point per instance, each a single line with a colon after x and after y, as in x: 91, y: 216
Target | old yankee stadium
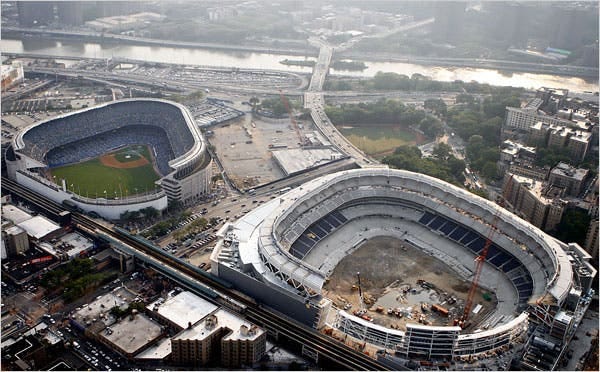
x: 177, y: 168
x: 285, y: 252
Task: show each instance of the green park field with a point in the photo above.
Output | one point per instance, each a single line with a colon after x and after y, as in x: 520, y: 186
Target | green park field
x: 122, y: 173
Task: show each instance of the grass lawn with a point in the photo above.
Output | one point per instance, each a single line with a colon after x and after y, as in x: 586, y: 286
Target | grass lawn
x: 378, y: 140
x: 91, y: 178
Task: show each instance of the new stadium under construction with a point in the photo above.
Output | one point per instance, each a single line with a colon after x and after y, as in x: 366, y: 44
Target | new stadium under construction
x: 178, y: 153
x: 283, y: 253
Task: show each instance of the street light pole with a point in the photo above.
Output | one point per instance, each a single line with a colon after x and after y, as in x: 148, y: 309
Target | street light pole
x: 359, y: 288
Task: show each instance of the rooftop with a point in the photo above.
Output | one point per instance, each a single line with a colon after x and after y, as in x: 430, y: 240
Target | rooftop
x: 240, y: 328
x: 132, y: 333
x: 100, y: 308
x: 14, y: 230
x: 183, y: 308
x: 545, y: 194
x: 567, y: 170
x: 74, y: 243
x: 38, y: 227
x: 14, y: 214
x: 295, y: 160
x: 158, y: 351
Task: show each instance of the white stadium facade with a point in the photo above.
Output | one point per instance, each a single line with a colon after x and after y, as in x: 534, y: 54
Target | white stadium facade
x: 282, y: 252
x: 179, y: 151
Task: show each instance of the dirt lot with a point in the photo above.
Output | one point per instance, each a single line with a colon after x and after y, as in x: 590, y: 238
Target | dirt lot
x: 389, y: 271
x: 242, y: 146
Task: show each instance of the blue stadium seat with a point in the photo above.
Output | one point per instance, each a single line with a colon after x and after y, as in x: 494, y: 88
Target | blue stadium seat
x: 458, y: 233
x: 518, y: 280
x: 97, y: 131
x: 469, y: 237
x: 426, y: 218
x: 511, y: 264
x: 477, y: 245
x: 332, y: 221
x: 436, y: 222
x: 448, y: 227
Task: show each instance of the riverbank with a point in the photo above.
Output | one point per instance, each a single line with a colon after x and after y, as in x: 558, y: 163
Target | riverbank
x: 505, y: 65
x: 15, y: 32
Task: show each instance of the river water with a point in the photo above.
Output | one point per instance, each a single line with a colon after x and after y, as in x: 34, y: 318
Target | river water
x: 267, y: 61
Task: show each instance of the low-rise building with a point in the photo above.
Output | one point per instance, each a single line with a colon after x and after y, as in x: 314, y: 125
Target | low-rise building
x: 569, y: 177
x: 576, y: 141
x: 207, y: 334
x: 131, y: 335
x: 181, y: 310
x: 537, y: 202
x: 591, y: 240
x: 528, y: 169
x: 16, y: 240
x: 220, y: 336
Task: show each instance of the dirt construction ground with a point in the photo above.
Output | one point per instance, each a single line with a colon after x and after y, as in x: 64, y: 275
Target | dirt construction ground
x: 389, y: 270
x: 242, y: 146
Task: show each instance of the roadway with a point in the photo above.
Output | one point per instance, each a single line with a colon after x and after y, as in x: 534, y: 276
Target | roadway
x: 204, y: 283
x: 172, y: 84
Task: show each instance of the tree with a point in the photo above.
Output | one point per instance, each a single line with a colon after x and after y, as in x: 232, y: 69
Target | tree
x: 573, y: 226
x: 436, y: 105
x: 464, y: 98
x: 442, y: 151
x: 149, y: 212
x: 254, y: 102
x: 431, y: 126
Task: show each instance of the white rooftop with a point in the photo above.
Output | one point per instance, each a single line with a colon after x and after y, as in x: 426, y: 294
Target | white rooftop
x: 159, y: 351
x: 184, y: 308
x: 38, y: 227
x: 130, y: 335
x: 295, y: 160
x: 225, y: 319
x: 14, y: 214
x: 14, y: 230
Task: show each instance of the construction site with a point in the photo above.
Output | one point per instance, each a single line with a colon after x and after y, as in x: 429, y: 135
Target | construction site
x: 256, y: 149
x: 392, y: 283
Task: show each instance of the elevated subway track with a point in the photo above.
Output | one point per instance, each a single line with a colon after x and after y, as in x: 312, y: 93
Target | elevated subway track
x: 344, y: 356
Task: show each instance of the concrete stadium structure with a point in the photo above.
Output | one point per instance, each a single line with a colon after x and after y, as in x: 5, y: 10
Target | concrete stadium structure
x: 283, y: 251
x: 167, y: 127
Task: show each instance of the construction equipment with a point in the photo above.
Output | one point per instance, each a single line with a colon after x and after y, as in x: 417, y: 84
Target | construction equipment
x: 479, y: 261
x: 285, y: 102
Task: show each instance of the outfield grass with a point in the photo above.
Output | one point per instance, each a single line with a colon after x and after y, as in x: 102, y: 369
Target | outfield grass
x: 91, y: 178
x: 375, y: 139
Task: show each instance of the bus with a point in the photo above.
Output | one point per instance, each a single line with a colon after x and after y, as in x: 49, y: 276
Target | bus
x: 284, y: 190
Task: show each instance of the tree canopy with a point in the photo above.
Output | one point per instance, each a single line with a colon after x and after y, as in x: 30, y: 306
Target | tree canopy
x: 443, y: 165
x: 385, y: 112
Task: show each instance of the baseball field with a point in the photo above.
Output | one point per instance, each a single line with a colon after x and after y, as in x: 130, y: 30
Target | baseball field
x: 125, y: 172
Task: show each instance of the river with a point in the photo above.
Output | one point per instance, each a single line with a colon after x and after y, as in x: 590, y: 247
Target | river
x: 242, y: 59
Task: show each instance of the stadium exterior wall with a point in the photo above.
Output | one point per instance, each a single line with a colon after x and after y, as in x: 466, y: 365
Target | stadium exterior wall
x: 293, y: 307
x: 459, y: 344
x: 110, y: 211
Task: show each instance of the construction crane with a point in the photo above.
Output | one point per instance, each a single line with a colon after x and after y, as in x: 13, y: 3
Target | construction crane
x: 479, y: 261
x: 294, y: 124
